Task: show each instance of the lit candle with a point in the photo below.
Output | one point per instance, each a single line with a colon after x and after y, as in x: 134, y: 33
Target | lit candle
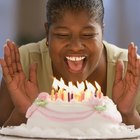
x: 56, y: 96
x: 54, y: 88
x: 52, y: 94
x: 70, y: 90
x: 82, y: 96
x: 81, y: 88
x: 99, y: 92
x: 69, y: 97
x: 81, y: 91
x: 65, y: 95
x: 90, y: 91
x: 60, y: 93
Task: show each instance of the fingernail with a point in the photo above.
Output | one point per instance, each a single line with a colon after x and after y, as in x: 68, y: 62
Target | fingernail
x: 7, y: 40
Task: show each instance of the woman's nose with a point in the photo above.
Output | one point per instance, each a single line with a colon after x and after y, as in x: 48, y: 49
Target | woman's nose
x: 76, y: 44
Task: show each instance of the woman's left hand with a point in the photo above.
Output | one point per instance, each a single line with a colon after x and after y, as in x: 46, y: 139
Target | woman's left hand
x: 125, y: 89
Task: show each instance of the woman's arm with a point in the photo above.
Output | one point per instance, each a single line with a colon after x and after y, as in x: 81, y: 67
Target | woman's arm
x: 132, y: 119
x: 6, y: 105
x: 15, y: 119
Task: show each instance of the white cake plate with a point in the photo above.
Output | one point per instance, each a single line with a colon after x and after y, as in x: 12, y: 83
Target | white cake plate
x: 23, y: 131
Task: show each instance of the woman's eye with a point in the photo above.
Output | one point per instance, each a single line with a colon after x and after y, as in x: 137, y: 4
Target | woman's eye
x: 62, y: 36
x: 88, y: 36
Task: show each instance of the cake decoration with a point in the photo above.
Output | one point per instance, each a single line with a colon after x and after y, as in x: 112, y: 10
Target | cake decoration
x: 41, y: 100
x: 100, y: 108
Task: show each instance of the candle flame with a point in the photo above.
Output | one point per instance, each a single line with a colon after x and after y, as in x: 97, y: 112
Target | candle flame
x: 59, y: 84
x: 72, y: 88
x: 81, y: 91
x: 98, y: 86
x: 81, y: 86
x: 90, y: 87
x: 55, y: 83
x: 99, y: 93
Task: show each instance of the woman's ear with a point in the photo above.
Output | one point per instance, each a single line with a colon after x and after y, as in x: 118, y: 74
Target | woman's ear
x: 46, y: 28
x: 47, y: 32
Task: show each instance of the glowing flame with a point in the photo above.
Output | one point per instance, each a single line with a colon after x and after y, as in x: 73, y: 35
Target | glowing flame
x: 55, y: 84
x: 59, y: 84
x: 72, y: 88
x: 90, y: 87
x: 98, y: 86
x: 62, y: 84
x: 81, y: 91
x: 81, y: 86
x: 99, y: 93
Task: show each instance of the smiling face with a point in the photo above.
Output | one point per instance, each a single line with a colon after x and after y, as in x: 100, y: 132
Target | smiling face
x: 75, y: 45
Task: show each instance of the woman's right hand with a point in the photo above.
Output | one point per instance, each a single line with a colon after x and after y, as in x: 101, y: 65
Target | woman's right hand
x: 22, y: 91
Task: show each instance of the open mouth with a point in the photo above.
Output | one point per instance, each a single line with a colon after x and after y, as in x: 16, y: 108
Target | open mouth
x: 75, y: 63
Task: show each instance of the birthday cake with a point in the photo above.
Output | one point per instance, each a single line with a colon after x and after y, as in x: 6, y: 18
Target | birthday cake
x: 71, y: 107
x: 73, y: 112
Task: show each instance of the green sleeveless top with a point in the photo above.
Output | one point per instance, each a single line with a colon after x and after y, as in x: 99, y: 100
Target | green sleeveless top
x: 39, y: 53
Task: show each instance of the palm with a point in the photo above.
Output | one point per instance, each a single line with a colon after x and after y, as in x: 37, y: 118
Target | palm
x: 20, y: 85
x: 125, y: 94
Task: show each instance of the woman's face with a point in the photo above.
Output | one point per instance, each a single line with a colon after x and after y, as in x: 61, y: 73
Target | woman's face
x: 75, y: 45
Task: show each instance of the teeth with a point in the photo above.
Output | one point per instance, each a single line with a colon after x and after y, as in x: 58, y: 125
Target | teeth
x: 75, y: 58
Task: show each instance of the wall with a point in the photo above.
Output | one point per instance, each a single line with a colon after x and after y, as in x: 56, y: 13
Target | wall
x: 122, y: 22
x: 31, y: 18
x: 23, y: 21
x: 7, y: 21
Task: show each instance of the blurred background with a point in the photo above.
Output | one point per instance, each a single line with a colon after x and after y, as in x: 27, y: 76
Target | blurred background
x: 23, y: 21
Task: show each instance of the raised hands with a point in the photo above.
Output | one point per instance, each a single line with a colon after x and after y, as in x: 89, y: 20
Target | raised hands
x: 22, y: 91
x: 125, y: 89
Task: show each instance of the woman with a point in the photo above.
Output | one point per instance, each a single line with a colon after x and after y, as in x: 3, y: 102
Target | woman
x: 74, y: 50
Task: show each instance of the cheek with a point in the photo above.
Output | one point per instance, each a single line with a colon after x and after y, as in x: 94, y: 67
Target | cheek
x: 95, y: 55
x: 56, y: 55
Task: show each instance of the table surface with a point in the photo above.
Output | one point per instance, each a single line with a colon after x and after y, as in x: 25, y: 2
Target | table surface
x: 20, y: 138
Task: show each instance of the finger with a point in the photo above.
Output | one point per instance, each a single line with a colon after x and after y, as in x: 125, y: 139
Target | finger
x: 12, y: 48
x: 119, y: 71
x: 138, y: 67
x: 137, y: 73
x: 7, y: 58
x: 134, y: 64
x: 132, y: 58
x: 6, y: 74
x: 33, y: 73
x: 17, y: 59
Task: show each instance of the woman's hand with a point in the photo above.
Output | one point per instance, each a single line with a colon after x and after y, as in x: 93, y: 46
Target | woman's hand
x: 21, y: 90
x: 125, y: 89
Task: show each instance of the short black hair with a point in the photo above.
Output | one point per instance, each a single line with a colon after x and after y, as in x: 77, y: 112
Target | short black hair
x: 56, y: 8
